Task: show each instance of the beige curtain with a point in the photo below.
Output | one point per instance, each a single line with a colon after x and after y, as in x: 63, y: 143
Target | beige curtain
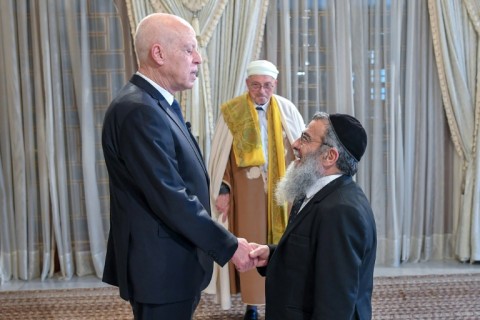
x: 455, y: 27
x: 375, y: 60
x: 61, y: 63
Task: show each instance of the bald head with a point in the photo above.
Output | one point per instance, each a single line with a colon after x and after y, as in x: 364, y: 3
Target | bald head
x: 167, y: 53
x: 161, y: 28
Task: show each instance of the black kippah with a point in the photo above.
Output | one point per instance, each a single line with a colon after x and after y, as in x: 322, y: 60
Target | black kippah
x: 350, y: 133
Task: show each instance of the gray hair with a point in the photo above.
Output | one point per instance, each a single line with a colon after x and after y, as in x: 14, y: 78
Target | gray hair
x: 347, y: 164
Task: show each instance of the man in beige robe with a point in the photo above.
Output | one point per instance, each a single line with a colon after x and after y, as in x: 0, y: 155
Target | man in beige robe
x: 250, y: 150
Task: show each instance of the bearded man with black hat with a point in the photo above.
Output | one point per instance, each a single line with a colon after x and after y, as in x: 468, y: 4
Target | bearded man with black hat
x: 251, y: 148
x: 322, y: 267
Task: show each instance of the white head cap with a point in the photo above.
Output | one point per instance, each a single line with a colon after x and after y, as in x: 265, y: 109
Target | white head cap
x: 262, y: 67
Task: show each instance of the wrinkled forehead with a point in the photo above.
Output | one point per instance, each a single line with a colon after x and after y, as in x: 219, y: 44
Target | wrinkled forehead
x: 317, y: 128
x: 261, y: 78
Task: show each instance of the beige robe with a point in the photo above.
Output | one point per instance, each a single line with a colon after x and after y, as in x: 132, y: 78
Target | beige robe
x: 247, y: 216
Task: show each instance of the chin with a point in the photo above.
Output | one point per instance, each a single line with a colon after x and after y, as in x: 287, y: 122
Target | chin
x: 189, y: 85
x: 261, y: 101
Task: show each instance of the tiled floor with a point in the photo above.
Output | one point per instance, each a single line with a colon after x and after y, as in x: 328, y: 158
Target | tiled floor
x: 423, y: 268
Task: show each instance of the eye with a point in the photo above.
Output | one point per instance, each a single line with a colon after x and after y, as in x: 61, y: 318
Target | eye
x: 268, y: 85
x: 304, y: 138
x: 258, y: 86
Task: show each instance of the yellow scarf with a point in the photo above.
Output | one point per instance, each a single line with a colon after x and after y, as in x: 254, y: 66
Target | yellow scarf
x: 242, y: 120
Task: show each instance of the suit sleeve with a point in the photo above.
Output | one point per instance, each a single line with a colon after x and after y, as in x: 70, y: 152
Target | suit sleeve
x: 160, y: 160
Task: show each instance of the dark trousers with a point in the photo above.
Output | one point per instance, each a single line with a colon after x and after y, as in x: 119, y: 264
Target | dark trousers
x: 182, y: 310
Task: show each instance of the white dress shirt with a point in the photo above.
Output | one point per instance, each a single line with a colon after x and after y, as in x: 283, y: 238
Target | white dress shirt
x: 167, y: 95
x: 322, y: 182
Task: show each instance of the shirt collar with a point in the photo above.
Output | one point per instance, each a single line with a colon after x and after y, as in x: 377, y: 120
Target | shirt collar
x: 167, y: 95
x: 264, y: 107
x: 317, y: 186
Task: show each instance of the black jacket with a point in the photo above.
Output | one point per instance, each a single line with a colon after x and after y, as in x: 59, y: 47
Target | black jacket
x: 322, y: 268
x: 162, y: 241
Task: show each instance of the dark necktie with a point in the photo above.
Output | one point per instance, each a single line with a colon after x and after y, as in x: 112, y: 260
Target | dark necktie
x: 297, y: 204
x: 176, y: 107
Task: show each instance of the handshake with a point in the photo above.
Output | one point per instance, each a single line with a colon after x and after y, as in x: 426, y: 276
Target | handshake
x: 250, y: 255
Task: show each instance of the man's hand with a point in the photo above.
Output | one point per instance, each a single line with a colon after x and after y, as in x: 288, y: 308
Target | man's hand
x: 241, y: 258
x: 259, y: 253
x: 222, y: 204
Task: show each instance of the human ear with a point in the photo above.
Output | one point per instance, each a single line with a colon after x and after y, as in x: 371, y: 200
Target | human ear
x: 157, y: 53
x: 331, y: 156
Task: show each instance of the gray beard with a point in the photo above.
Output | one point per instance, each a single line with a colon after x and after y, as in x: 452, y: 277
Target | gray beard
x: 298, y: 179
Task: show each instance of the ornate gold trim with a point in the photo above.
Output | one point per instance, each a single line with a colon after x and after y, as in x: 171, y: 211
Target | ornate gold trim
x: 452, y: 124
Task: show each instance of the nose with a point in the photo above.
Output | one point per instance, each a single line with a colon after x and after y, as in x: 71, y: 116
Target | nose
x: 198, y: 57
x: 296, y: 144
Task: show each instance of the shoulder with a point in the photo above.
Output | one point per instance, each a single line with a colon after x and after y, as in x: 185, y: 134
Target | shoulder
x: 235, y: 100
x: 348, y: 200
x: 284, y: 101
x: 134, y: 107
x: 129, y: 104
x: 291, y: 117
x: 287, y: 107
x: 233, y: 104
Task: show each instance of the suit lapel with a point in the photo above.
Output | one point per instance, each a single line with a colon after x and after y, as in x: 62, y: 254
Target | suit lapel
x: 163, y: 104
x: 319, y: 196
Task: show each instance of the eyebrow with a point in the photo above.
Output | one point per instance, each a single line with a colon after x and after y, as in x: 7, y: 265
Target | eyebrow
x: 305, y: 133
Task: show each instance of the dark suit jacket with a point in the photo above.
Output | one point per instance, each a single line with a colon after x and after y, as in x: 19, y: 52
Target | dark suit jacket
x: 322, y: 268
x: 162, y: 241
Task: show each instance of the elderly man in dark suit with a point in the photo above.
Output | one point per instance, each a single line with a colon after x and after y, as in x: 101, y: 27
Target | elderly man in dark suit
x: 322, y: 267
x: 162, y: 241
